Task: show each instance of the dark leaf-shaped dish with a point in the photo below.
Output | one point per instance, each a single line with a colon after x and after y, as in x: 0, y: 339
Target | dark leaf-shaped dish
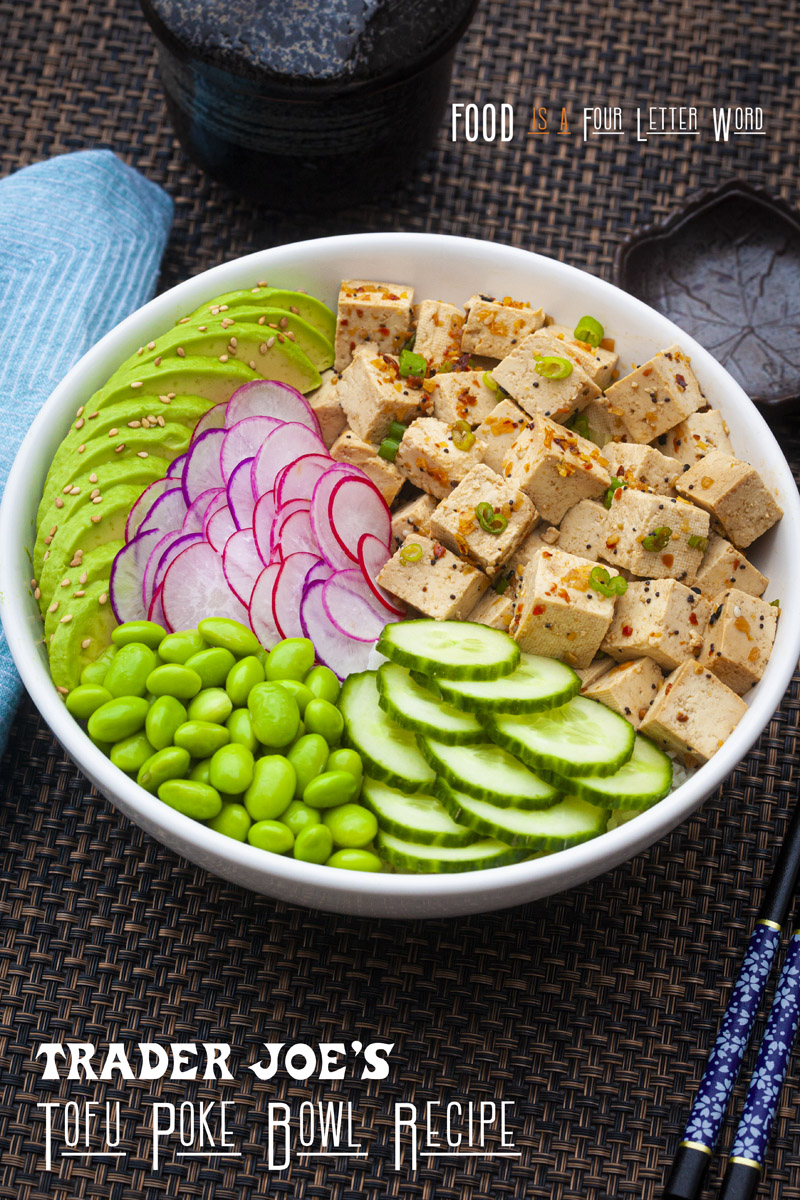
x: 727, y: 270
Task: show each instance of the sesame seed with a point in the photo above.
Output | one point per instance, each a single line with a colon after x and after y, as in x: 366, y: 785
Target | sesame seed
x: 284, y: 322
x: 65, y: 583
x: 79, y: 424
x: 151, y: 345
x: 92, y: 478
x: 118, y: 449
x: 79, y: 595
x: 157, y: 361
x: 160, y: 421
x: 223, y: 308
x: 75, y: 491
x: 62, y: 691
x: 202, y: 328
x: 226, y: 321
x: 262, y: 320
x: 65, y: 620
x: 252, y: 365
x: 137, y: 383
x: 113, y: 432
x: 86, y: 643
x: 37, y: 594
x: 81, y: 448
x: 223, y: 358
x: 270, y: 343
x: 95, y: 492
x: 171, y: 395
x: 54, y: 606
x: 281, y: 338
x: 290, y: 335
x: 46, y: 554
x: 296, y: 311
x: 93, y: 415
x: 140, y: 352
x: 102, y: 598
x: 66, y: 488
x: 233, y: 342
x: 262, y: 349
x: 83, y: 577
x: 272, y: 325
x: 164, y: 399
x: 263, y: 283
x: 183, y: 320
x: 141, y: 454
x: 79, y: 413
x: 95, y: 517
x: 181, y: 353
x: 59, y: 502
x: 97, y: 500
x: 137, y: 424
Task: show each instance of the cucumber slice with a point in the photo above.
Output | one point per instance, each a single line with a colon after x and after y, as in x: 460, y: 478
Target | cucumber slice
x: 420, y: 818
x: 571, y: 821
x: 581, y: 737
x: 439, y: 860
x: 450, y: 649
x: 642, y: 781
x: 413, y: 707
x: 488, y: 772
x: 389, y: 753
x: 537, y: 683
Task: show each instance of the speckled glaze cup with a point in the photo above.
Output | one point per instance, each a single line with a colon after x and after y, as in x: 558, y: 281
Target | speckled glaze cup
x: 307, y: 103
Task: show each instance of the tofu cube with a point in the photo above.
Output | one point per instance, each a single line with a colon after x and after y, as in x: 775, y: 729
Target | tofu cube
x: 349, y: 448
x: 460, y: 396
x: 438, y: 335
x: 584, y: 529
x: 689, y: 440
x: 739, y: 637
x: 326, y: 402
x: 596, y: 669
x: 373, y: 394
x: 559, y: 614
x: 600, y: 424
x: 437, y: 584
x: 598, y: 362
x: 643, y: 466
x: 493, y: 610
x: 629, y: 688
x: 374, y: 313
x: 724, y: 566
x: 543, y: 537
x: 495, y: 327
x: 428, y: 458
x: 734, y: 492
x: 456, y: 525
x: 498, y: 430
x: 656, y: 396
x: 635, y: 517
x: 555, y: 467
x: 538, y: 395
x: 693, y: 713
x: 413, y: 517
x: 659, y: 619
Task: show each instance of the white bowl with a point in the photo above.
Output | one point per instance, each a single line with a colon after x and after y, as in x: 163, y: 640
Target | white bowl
x: 447, y: 268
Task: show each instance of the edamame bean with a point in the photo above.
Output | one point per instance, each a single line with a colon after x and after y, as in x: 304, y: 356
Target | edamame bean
x: 131, y: 753
x: 330, y: 789
x: 352, y: 826
x: 272, y: 787
x: 355, y: 860
x: 300, y: 692
x: 274, y: 713
x: 130, y: 670
x: 240, y: 726
x: 180, y: 646
x: 299, y: 816
x: 346, y: 760
x: 95, y: 672
x: 292, y: 658
x: 85, y: 699
x: 165, y: 716
x: 197, y: 800
x: 201, y: 738
x: 201, y: 771
x: 170, y: 763
x: 117, y: 719
x: 172, y: 679
x: 212, y: 704
x: 313, y: 844
x: 271, y: 835
x: 323, y: 684
x: 230, y: 635
x: 308, y: 757
x: 212, y: 665
x: 242, y: 678
x: 324, y: 718
x: 149, y: 632
x: 233, y: 821
x: 231, y: 769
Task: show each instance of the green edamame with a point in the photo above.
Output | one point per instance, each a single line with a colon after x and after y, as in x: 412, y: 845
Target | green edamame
x: 274, y: 713
x: 149, y: 632
x: 233, y: 821
x: 193, y: 799
x: 272, y: 787
x: 330, y: 789
x: 201, y: 738
x: 313, y: 844
x: 240, y: 726
x: 271, y: 835
x: 212, y: 704
x: 172, y: 679
x: 292, y: 658
x: 299, y: 816
x: 85, y: 699
x: 231, y: 769
x: 346, y: 760
x: 95, y: 672
x: 323, y: 684
x: 352, y: 826
x: 117, y: 719
x: 300, y: 692
x: 166, y: 714
x: 130, y: 670
x: 308, y: 756
x: 242, y: 678
x: 201, y: 771
x: 212, y: 665
x: 355, y: 860
x: 180, y: 646
x: 230, y: 635
x: 131, y: 753
x: 170, y: 763
x: 324, y: 718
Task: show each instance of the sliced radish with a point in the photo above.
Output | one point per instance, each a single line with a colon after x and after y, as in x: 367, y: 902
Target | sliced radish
x: 156, y: 612
x: 193, y: 521
x: 166, y: 553
x: 329, y: 547
x: 268, y: 398
x: 241, y: 500
x: 241, y: 563
x: 219, y: 501
x: 295, y: 534
x: 148, y: 585
x: 282, y: 447
x: 350, y: 611
x: 213, y: 419
x: 296, y: 482
x: 372, y: 558
x: 167, y: 512
x: 262, y: 617
x: 288, y: 593
x: 201, y: 470
x: 244, y: 440
x: 336, y: 650
x: 125, y: 588
x: 175, y: 468
x: 281, y: 516
x: 143, y: 505
x: 220, y: 528
x: 195, y: 587
x: 263, y: 520
x: 321, y: 572
x: 357, y: 507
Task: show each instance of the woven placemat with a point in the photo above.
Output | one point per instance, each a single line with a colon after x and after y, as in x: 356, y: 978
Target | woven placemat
x: 592, y: 1012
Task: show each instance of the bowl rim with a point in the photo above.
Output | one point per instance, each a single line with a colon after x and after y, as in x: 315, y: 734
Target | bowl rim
x: 564, y: 868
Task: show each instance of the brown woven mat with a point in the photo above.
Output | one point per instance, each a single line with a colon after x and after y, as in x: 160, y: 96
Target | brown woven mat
x: 593, y: 1012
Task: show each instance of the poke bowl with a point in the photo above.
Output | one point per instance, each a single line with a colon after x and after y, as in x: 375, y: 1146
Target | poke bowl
x: 453, y: 272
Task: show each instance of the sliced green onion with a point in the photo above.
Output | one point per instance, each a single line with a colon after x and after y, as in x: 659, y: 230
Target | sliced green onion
x: 579, y: 423
x: 490, y: 382
x: 605, y: 584
x: 611, y: 492
x: 409, y: 345
x: 411, y: 552
x: 590, y: 331
x: 500, y: 585
x: 388, y: 449
x: 462, y: 435
x: 412, y: 364
x: 489, y: 520
x: 551, y: 366
x: 658, y: 539
x: 396, y: 431
x: 698, y: 542
x: 774, y: 603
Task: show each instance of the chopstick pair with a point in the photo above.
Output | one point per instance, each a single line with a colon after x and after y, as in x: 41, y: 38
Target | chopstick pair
x: 745, y: 1164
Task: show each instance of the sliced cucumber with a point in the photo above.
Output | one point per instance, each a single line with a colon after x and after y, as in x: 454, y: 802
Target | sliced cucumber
x: 581, y: 737
x: 643, y: 780
x: 389, y: 752
x: 450, y: 649
x: 439, y: 860
x: 571, y: 821
x: 420, y: 818
x: 488, y: 772
x: 413, y: 707
x: 537, y: 683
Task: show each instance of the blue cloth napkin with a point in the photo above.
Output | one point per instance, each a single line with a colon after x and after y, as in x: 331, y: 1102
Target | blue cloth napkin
x: 81, y: 239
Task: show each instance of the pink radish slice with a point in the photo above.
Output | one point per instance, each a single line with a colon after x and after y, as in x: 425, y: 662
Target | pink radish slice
x: 263, y: 520
x: 372, y: 558
x: 295, y: 534
x: 175, y: 468
x: 241, y: 500
x: 167, y: 555
x: 202, y: 470
x: 213, y: 419
x: 262, y: 618
x: 156, y: 612
x: 296, y: 482
x: 193, y: 521
x: 125, y: 588
x: 321, y: 572
x: 357, y: 507
x: 244, y: 440
x: 288, y: 593
x: 220, y: 528
x: 355, y: 582
x: 143, y: 505
x: 167, y: 512
x: 282, y: 447
x: 213, y: 506
x: 281, y: 516
x: 241, y: 563
x: 268, y: 398
x: 195, y: 587
x: 336, y: 650
x: 350, y: 612
x: 149, y: 586
x: 329, y: 547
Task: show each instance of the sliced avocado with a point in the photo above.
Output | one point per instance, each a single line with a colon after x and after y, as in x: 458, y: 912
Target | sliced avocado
x: 261, y: 323
x: 83, y: 638
x: 94, y: 566
x: 307, y: 307
x: 206, y: 377
x: 166, y: 441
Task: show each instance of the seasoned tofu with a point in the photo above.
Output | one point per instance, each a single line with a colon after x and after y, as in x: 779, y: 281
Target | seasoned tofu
x: 598, y: 363
x: 413, y: 517
x: 596, y: 669
x: 734, y: 492
x: 437, y: 583
x: 495, y: 327
x: 327, y: 405
x: 373, y: 394
x: 493, y: 610
x: 498, y: 430
x: 456, y: 522
x: 517, y: 374
x: 374, y: 313
x: 724, y: 566
x: 656, y: 396
x: 655, y: 536
x: 460, y: 396
x: 600, y: 424
x: 438, y: 335
x: 659, y: 619
x: 559, y: 614
x: 739, y: 637
x: 629, y: 688
x: 643, y: 466
x: 584, y: 529
x: 349, y: 448
x: 555, y: 467
x: 429, y: 459
x: 689, y: 440
x: 693, y: 713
